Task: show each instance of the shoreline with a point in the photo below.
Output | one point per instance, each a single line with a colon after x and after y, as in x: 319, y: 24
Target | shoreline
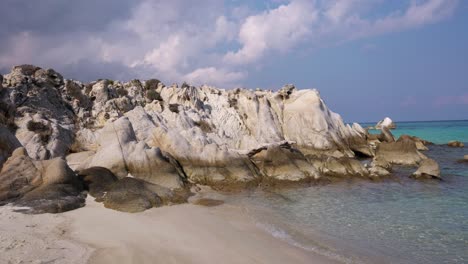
x: 184, y: 233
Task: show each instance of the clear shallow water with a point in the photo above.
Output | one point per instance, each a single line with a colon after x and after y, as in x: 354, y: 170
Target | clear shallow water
x: 395, y: 221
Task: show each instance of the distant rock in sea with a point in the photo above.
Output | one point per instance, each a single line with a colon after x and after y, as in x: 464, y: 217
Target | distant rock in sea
x: 144, y: 144
x: 455, y: 144
x: 386, y: 122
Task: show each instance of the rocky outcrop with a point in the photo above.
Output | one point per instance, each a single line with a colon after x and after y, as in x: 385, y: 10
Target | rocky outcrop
x: 45, y: 122
x: 43, y: 186
x: 143, y: 135
x: 428, y: 168
x: 386, y: 122
x: 455, y: 144
x: 401, y: 152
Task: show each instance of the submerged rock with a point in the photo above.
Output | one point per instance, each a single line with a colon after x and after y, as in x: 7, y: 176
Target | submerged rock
x: 455, y: 144
x: 428, y: 168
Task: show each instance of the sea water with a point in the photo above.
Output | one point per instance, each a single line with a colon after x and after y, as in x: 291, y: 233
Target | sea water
x: 400, y: 220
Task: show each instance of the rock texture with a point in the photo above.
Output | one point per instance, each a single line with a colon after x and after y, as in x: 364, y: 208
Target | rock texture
x: 386, y: 122
x: 126, y: 138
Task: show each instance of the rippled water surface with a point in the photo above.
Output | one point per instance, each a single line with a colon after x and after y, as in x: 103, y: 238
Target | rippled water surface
x: 395, y: 221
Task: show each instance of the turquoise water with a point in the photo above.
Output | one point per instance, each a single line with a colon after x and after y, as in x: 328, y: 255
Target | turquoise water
x: 399, y: 220
x: 439, y: 132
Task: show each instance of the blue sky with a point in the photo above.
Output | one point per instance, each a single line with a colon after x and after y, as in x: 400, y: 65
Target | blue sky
x: 407, y: 59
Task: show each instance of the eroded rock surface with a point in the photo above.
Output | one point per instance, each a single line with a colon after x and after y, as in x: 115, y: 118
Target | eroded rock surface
x: 159, y: 140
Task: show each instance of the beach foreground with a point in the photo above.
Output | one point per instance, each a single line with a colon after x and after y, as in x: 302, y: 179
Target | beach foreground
x: 175, y: 234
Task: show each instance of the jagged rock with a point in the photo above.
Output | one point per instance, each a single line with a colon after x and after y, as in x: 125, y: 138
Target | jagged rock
x: 401, y: 152
x: 428, y: 168
x: 455, y: 144
x: 201, y: 135
x: 48, y: 186
x: 283, y: 163
x: 386, y: 122
x: 34, y: 95
x: 97, y: 181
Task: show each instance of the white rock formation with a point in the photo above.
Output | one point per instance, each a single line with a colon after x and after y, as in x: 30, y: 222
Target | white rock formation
x: 386, y: 122
x: 170, y: 135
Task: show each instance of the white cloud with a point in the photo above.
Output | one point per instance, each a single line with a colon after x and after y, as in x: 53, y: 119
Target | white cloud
x: 277, y: 29
x: 207, y: 42
x: 210, y: 75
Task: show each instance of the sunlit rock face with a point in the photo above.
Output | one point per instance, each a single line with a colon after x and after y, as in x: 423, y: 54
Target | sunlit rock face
x: 174, y: 136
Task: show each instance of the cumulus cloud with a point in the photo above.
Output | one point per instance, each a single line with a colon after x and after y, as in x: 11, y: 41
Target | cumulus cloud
x: 212, y: 75
x: 207, y: 41
x: 277, y: 29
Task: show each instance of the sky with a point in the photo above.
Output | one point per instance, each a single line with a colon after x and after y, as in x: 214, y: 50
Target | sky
x: 406, y: 59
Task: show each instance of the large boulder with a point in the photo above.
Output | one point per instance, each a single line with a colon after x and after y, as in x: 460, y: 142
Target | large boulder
x: 455, y: 144
x: 428, y: 168
x: 282, y: 162
x: 401, y: 152
x: 48, y: 186
x: 133, y: 195
x: 386, y: 122
x: 97, y: 180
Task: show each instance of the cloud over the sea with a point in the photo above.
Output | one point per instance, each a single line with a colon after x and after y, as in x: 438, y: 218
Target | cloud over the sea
x: 206, y: 41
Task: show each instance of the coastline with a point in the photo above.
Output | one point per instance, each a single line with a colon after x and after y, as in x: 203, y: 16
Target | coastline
x: 174, y: 234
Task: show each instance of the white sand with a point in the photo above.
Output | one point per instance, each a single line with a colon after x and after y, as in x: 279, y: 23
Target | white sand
x: 176, y: 234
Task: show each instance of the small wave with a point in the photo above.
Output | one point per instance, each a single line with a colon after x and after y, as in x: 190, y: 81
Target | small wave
x: 284, y: 236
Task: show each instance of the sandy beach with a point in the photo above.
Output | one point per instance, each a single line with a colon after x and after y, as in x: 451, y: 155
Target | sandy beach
x: 177, y: 234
